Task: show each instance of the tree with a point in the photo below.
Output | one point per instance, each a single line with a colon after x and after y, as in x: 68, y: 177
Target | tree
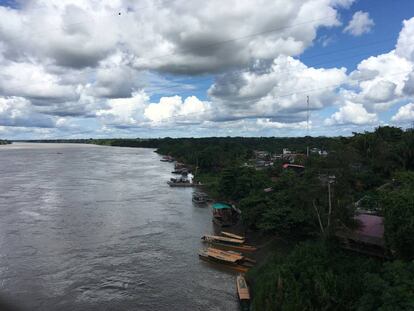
x: 391, y: 288
x: 398, y: 206
x: 314, y: 276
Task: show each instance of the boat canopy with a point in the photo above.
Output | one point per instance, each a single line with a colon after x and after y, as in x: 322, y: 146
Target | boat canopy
x: 219, y: 205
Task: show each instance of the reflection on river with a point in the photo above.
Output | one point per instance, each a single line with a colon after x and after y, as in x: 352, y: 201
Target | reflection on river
x: 97, y: 228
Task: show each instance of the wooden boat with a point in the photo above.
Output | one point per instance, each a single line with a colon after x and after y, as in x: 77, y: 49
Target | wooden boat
x: 217, y: 238
x: 232, y: 260
x: 199, y: 198
x: 181, y: 184
x: 224, y: 214
x: 243, y: 293
x: 182, y: 181
x: 180, y: 171
x: 232, y: 235
x: 179, y: 165
x: 167, y: 159
x: 240, y: 248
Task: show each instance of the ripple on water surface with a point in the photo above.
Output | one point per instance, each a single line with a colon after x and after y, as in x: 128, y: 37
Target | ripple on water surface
x: 97, y: 228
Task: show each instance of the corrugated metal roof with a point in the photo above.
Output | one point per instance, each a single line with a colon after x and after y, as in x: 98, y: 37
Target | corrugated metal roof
x: 371, y: 225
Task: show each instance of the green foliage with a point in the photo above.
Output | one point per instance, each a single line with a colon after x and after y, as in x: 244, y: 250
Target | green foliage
x: 389, y: 289
x: 237, y: 183
x: 386, y: 150
x: 398, y: 206
x: 253, y: 207
x: 315, y: 276
x: 290, y: 206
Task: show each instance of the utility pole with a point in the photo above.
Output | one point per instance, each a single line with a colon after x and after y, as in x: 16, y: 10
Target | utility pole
x: 307, y: 125
x: 331, y: 181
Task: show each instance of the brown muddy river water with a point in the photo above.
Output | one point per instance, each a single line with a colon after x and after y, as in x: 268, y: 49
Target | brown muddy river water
x: 86, y: 227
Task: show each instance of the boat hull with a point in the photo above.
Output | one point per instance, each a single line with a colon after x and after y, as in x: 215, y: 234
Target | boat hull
x: 234, y: 267
x: 241, y: 248
x: 221, y: 223
x: 181, y: 185
x: 200, y: 202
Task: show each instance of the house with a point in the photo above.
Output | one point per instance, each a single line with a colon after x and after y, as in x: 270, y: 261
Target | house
x: 294, y: 167
x: 286, y: 151
x: 318, y: 151
x: 262, y: 155
x: 367, y: 238
x: 315, y: 150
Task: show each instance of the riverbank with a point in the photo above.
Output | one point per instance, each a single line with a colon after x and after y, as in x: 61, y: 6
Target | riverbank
x: 314, y: 272
x: 308, y: 207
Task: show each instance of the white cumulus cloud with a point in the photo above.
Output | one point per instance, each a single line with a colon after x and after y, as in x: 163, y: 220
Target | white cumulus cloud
x: 404, y: 114
x: 19, y: 112
x: 352, y: 113
x: 174, y: 109
x: 277, y: 91
x: 359, y: 24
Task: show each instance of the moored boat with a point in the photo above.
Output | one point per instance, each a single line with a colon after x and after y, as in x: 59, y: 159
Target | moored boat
x: 241, y: 248
x: 167, y: 159
x: 199, y: 198
x: 232, y: 260
x: 224, y: 214
x: 183, y: 181
x: 180, y: 171
x: 217, y: 238
x: 243, y: 293
x: 232, y: 235
x: 181, y: 184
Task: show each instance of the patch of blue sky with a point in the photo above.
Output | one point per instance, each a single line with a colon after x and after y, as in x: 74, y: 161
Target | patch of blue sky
x: 9, y: 4
x: 334, y: 48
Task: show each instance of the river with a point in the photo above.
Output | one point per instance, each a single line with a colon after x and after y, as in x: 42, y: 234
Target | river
x: 86, y: 227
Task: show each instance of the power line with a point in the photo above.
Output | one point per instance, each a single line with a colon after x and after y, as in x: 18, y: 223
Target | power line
x: 332, y: 86
x: 376, y: 42
x: 63, y: 27
x: 240, y: 38
x: 230, y: 40
x: 209, y: 78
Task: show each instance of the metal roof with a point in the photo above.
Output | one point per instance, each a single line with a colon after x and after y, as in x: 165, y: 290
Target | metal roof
x: 219, y: 205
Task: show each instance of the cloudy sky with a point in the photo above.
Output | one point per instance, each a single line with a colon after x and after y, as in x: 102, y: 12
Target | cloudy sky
x: 155, y: 68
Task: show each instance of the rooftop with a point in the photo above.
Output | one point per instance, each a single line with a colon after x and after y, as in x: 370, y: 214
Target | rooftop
x: 370, y: 225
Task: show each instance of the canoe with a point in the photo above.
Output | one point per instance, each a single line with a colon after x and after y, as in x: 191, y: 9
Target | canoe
x: 240, y: 248
x: 230, y: 260
x: 231, y: 255
x: 232, y: 235
x: 243, y: 293
x: 223, y: 239
x: 234, y: 267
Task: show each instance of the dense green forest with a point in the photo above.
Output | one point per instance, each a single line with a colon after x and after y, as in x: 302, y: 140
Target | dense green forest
x: 375, y: 169
x: 4, y: 142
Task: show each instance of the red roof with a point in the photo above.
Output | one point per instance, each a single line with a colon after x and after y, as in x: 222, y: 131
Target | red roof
x: 371, y: 225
